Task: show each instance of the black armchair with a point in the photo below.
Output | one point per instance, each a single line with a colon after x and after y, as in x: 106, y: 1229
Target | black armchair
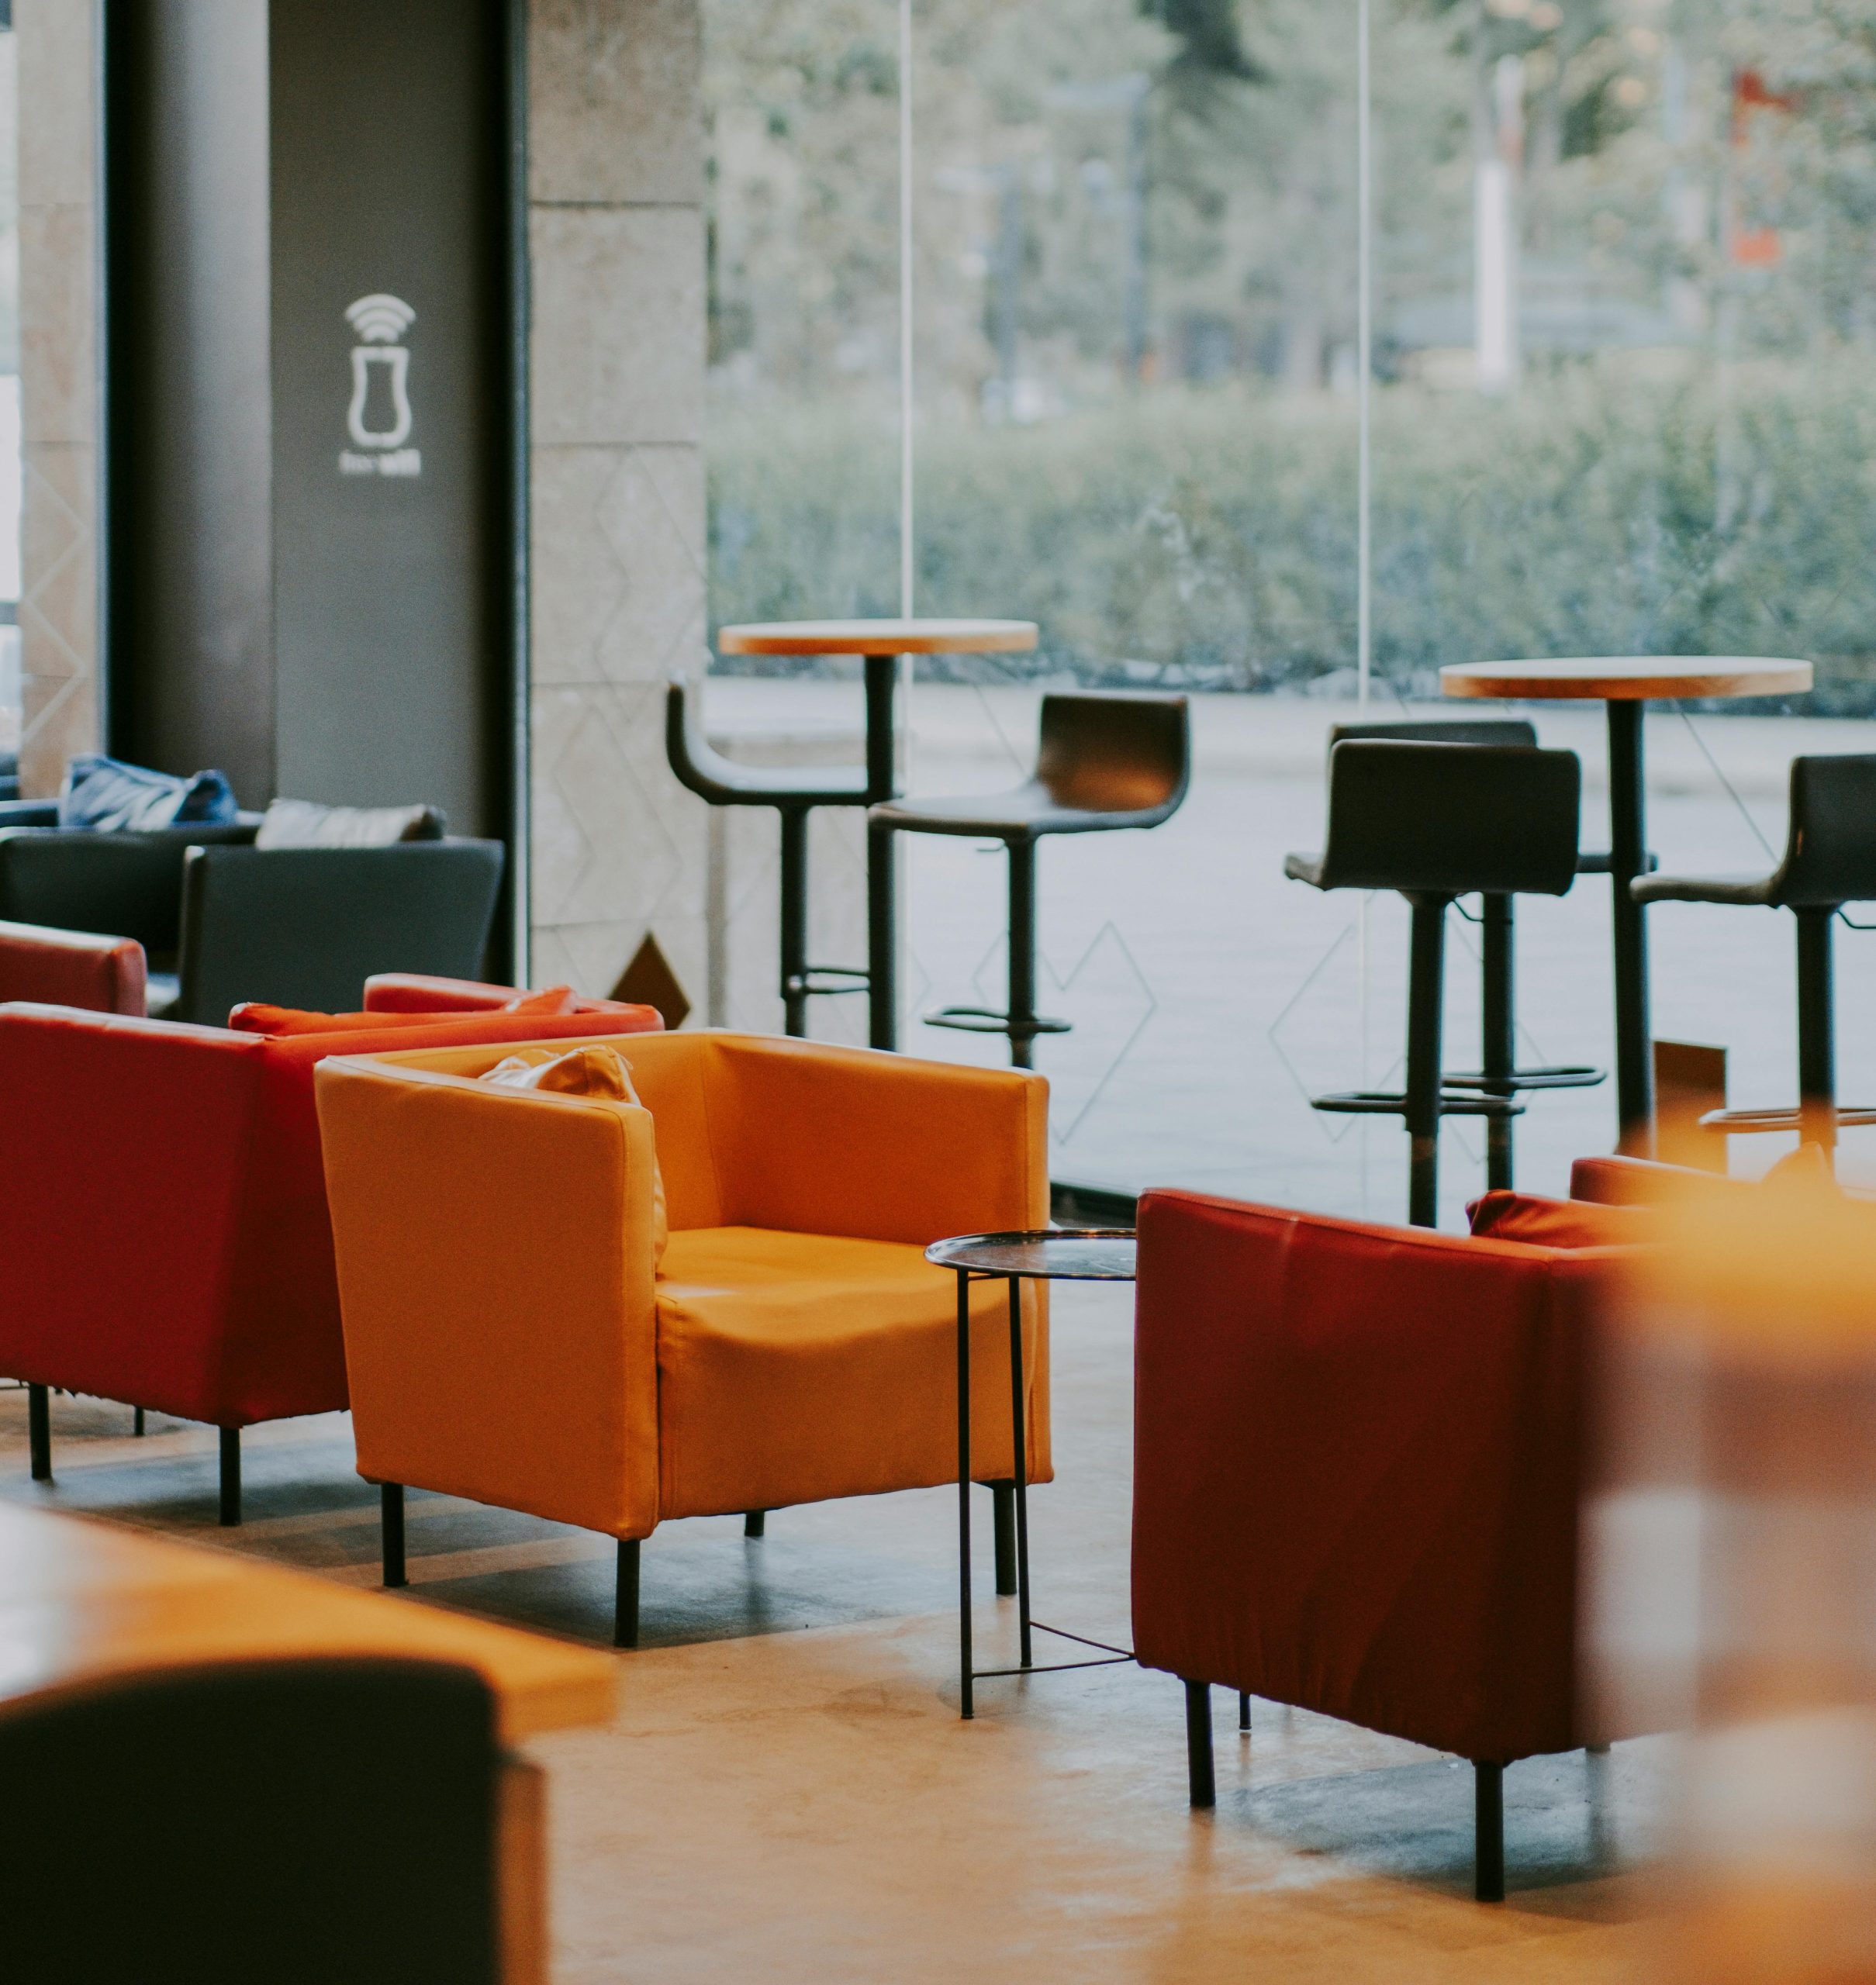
x: 306, y: 926
x: 75, y: 879
x: 298, y: 1821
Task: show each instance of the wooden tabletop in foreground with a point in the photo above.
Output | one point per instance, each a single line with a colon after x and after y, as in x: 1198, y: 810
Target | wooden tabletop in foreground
x: 1629, y: 678
x: 877, y: 637
x: 81, y: 1598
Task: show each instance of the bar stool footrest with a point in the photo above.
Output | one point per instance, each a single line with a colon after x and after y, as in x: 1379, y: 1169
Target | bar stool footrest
x: 1381, y: 1103
x: 1747, y: 1123
x: 829, y: 981
x: 988, y: 1020
x: 1564, y: 1077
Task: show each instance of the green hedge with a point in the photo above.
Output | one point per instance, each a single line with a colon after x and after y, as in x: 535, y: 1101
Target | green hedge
x: 1208, y: 537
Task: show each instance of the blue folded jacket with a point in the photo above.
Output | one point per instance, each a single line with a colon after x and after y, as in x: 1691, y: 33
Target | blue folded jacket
x: 114, y: 798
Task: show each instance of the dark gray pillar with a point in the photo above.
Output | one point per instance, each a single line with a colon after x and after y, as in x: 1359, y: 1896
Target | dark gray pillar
x: 312, y: 267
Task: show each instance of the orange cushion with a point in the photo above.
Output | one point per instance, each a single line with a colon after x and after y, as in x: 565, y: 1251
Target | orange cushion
x: 792, y: 1367
x: 584, y: 1071
x: 1540, y: 1223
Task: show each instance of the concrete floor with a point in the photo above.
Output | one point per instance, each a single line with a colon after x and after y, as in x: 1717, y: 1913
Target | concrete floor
x: 788, y: 1794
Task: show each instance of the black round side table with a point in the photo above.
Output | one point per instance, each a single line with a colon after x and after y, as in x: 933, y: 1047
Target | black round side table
x: 1048, y: 1253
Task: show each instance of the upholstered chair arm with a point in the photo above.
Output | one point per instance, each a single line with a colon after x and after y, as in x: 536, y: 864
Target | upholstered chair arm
x: 122, y: 1184
x: 822, y: 1140
x: 495, y: 1253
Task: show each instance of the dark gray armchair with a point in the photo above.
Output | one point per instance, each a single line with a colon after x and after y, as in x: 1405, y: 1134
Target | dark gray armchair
x: 75, y: 879
x: 306, y: 926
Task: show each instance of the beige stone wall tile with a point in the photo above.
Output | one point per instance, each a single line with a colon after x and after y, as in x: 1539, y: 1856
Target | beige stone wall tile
x: 57, y: 69
x: 617, y: 325
x: 614, y: 112
x: 576, y: 584
x: 651, y: 517
x: 57, y: 308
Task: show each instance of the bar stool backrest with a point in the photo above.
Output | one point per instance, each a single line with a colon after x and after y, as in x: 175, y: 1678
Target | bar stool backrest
x: 1830, y: 853
x: 1511, y: 731
x: 1119, y: 755
x: 1451, y: 819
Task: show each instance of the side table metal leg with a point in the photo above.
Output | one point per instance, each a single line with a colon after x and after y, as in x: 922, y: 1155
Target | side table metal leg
x: 1018, y: 1446
x: 964, y: 1648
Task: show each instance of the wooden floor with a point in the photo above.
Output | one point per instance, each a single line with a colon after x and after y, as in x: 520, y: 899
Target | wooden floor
x: 787, y: 1792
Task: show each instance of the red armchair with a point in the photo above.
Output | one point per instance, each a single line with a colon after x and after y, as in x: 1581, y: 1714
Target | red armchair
x: 71, y: 968
x: 1357, y: 1454
x: 162, y: 1211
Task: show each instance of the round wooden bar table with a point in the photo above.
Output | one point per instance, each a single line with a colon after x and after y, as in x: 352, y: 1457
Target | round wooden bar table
x: 881, y: 642
x: 1624, y: 684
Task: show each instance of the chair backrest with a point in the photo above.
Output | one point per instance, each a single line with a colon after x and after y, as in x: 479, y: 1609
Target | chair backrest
x: 75, y: 879
x: 1830, y: 850
x: 299, y: 1821
x: 1118, y: 754
x: 72, y: 968
x: 1447, y: 820
x: 1511, y: 731
x: 306, y: 926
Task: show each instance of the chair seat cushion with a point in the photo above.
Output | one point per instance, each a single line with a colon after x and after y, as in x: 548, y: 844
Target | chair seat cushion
x: 797, y: 1367
x: 1569, y: 1224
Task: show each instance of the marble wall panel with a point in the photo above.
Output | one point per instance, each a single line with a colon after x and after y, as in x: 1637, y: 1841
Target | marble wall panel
x: 617, y: 527
x: 59, y: 386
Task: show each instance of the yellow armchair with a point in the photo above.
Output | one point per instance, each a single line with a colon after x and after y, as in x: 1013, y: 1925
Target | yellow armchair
x: 506, y: 1337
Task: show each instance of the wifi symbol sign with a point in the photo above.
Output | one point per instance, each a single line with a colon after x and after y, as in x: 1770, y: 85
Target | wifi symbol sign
x: 379, y: 418
x: 380, y: 319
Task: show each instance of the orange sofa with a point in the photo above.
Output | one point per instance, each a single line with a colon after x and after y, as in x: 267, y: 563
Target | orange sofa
x: 507, y: 1338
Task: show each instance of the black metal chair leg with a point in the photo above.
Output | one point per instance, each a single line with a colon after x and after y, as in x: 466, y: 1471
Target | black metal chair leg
x: 231, y: 1477
x: 794, y: 920
x: 1424, y: 992
x: 137, y: 1422
x: 1498, y: 1055
x: 881, y: 940
x: 625, y: 1595
x: 1817, y: 1084
x: 755, y: 1523
x: 1244, y: 1712
x: 39, y: 1431
x: 1003, y: 1521
x: 391, y: 1529
x: 1022, y: 951
x: 1488, y: 1834
x: 1199, y: 1781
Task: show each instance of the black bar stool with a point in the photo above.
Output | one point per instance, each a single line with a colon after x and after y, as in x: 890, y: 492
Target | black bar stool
x: 1104, y: 762
x: 794, y: 794
x: 1829, y: 861
x: 1434, y: 822
x: 1499, y: 1073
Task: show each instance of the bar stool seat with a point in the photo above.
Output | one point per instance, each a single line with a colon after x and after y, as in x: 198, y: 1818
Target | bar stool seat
x: 1829, y: 861
x: 1103, y: 763
x: 794, y: 792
